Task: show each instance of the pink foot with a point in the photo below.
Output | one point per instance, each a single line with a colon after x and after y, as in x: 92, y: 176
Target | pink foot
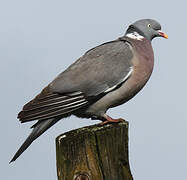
x: 110, y: 120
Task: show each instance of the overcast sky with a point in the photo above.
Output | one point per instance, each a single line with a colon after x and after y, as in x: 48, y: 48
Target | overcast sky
x: 40, y: 38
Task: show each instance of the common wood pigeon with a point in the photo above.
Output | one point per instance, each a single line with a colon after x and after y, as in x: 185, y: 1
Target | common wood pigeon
x: 104, y: 77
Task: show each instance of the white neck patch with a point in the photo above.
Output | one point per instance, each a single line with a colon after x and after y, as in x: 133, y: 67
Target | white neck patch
x: 135, y: 35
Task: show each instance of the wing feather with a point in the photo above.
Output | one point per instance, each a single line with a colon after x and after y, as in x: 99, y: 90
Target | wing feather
x: 55, y: 113
x: 47, y: 109
x: 55, y: 102
x: 47, y: 105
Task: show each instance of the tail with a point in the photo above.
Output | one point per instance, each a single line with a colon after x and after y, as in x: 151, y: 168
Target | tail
x: 38, y: 129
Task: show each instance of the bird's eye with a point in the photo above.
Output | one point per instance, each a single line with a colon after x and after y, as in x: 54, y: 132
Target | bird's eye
x: 149, y: 25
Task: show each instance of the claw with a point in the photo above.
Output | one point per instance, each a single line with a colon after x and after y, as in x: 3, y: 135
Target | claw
x: 109, y: 120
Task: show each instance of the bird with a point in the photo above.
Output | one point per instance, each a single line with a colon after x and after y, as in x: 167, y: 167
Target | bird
x: 106, y: 76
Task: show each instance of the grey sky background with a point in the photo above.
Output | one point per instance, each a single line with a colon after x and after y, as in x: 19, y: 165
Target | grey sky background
x: 40, y: 38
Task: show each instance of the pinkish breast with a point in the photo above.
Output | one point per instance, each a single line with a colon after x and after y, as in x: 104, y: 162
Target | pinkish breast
x: 144, y: 52
x: 143, y: 62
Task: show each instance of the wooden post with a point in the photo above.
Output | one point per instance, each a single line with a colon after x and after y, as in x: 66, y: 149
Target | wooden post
x: 94, y: 153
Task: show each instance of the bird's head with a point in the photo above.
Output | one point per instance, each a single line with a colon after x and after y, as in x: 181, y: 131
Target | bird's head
x: 147, y: 28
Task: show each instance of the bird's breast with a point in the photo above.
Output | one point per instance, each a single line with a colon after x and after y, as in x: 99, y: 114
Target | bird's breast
x: 143, y: 62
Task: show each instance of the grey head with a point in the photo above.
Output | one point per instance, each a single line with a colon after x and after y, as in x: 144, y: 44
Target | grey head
x: 147, y: 28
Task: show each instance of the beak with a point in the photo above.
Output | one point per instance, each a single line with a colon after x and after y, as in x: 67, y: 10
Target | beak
x: 162, y: 34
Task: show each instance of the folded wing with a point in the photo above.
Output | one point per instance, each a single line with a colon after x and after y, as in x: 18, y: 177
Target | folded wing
x: 48, y: 105
x: 99, y: 71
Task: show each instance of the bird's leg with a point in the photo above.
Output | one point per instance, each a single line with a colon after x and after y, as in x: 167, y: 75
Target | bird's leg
x: 108, y: 120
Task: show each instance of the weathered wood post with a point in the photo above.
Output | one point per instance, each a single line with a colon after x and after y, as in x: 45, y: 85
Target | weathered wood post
x: 94, y: 153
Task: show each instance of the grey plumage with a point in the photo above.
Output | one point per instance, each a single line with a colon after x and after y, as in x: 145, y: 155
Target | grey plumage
x: 97, y: 63
x: 51, y: 107
x: 104, y: 77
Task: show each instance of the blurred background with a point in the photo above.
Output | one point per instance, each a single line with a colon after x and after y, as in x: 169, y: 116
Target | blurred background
x: 41, y: 38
